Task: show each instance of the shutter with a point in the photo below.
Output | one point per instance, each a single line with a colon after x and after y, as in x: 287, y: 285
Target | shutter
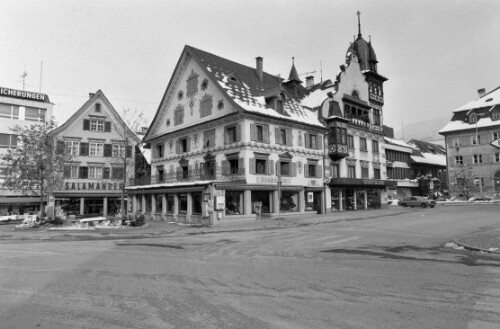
x: 188, y: 144
x: 253, y: 132
x: 241, y: 165
x: 84, y: 172
x: 265, y: 132
x: 129, y: 151
x: 108, y: 150
x: 251, y: 167
x: 107, y: 126
x: 238, y: 133
x: 270, y: 167
x: 319, y: 142
x: 289, y: 137
x: 225, y: 167
x: 67, y: 171
x: 319, y: 171
x: 105, y: 173
x: 84, y: 149
x: 306, y: 170
x: 306, y: 144
x: 86, y: 124
x: 277, y: 135
x: 293, y: 169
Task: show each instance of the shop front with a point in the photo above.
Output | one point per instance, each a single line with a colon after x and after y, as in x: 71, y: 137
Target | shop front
x: 89, y: 204
x: 358, y: 194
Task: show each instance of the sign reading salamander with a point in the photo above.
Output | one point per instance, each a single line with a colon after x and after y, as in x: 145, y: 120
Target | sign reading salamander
x: 106, y: 186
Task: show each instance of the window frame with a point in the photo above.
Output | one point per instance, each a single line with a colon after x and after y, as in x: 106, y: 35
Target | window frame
x: 363, y: 144
x: 96, y: 149
x: 459, y: 160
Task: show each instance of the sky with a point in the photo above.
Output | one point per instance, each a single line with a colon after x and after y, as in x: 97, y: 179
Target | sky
x: 436, y: 54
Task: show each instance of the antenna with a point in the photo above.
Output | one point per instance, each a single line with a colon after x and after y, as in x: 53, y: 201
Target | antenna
x: 321, y: 71
x: 41, y: 70
x: 403, y: 129
x: 23, y: 76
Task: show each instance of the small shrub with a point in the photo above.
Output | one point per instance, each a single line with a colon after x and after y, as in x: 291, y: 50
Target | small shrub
x: 139, y: 220
x: 56, y: 221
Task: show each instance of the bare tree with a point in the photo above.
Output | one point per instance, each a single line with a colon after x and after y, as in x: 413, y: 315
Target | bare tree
x: 36, y: 165
x: 464, y: 181
x: 124, y: 154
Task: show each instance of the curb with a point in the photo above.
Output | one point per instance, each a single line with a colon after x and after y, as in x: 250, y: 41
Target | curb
x: 472, y: 248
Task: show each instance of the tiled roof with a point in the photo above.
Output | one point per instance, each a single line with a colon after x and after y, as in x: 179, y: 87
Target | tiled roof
x: 243, y: 85
x: 427, y: 153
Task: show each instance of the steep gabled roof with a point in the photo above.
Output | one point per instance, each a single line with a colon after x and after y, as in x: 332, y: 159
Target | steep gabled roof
x: 427, y: 153
x: 98, y: 95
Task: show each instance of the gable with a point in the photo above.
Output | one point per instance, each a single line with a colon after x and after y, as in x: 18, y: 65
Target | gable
x: 192, y: 97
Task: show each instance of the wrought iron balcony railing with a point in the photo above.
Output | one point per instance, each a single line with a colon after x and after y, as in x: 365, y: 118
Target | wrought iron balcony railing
x: 218, y: 174
x: 366, y: 125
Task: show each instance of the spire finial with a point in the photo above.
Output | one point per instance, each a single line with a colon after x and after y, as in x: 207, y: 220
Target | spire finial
x: 370, y: 37
x: 359, y: 23
x: 293, y: 60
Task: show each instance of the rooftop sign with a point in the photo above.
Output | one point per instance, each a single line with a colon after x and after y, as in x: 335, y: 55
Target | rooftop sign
x: 23, y: 94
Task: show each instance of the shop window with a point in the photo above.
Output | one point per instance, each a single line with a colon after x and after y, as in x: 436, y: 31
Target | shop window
x: 289, y: 202
x: 170, y: 204
x: 149, y: 202
x: 262, y: 197
x: 234, y: 206
x: 9, y: 111
x: 209, y: 138
x: 183, y: 205
x: 259, y: 133
x: 196, y: 203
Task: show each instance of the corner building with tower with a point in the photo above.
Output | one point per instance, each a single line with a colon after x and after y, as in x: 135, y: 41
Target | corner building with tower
x: 233, y: 142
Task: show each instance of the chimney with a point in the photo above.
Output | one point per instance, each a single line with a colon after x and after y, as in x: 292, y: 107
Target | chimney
x: 144, y: 130
x: 481, y: 92
x: 309, y: 81
x: 259, y: 68
x: 91, y: 95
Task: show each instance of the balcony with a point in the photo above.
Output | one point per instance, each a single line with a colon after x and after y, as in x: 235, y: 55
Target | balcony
x: 365, y: 125
x: 337, y: 151
x: 218, y: 174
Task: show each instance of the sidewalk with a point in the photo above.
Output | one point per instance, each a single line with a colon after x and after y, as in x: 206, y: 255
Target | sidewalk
x: 487, y: 241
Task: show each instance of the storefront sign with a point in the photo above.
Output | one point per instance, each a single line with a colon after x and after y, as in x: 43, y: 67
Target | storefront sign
x: 103, y: 186
x: 496, y: 143
x: 272, y: 180
x: 23, y: 94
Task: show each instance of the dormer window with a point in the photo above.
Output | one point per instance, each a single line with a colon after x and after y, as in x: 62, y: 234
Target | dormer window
x: 472, y: 118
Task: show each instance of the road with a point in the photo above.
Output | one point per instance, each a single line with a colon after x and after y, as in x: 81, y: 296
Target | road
x: 387, y: 272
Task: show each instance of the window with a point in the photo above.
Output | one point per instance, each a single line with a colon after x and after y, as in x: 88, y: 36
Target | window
x: 34, y: 114
x: 158, y: 203
x: 497, y: 157
x: 285, y: 168
x: 456, y: 142
x: 183, y: 145
x: 313, y: 141
x: 351, y: 171
x: 204, y: 85
x: 8, y: 140
x: 377, y: 117
x: 117, y: 173
x: 159, y: 150
x: 160, y: 173
x: 192, y: 84
x: 206, y: 105
x: 73, y: 148
x: 350, y: 141
x: 362, y: 144
x: 234, y: 166
x: 459, y: 160
x: 179, y: 115
x: 183, y: 204
x: 9, y: 111
x: 376, y: 173
x: 96, y: 125
x: 96, y: 149
x: 476, y: 139
x: 283, y: 136
x: 180, y: 95
x: 74, y: 171
x: 472, y: 118
x: 364, y: 172
x: 312, y: 170
x: 232, y: 134
x: 375, y: 148
x: 496, y: 135
x: 259, y: 133
x: 118, y: 151
x: 261, y: 166
x: 209, y: 138
x: 334, y: 171
x: 95, y: 172
x: 478, y: 158
x: 495, y: 115
x: 98, y: 108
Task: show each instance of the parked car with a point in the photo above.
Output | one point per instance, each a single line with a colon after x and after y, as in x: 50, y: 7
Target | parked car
x: 417, y: 201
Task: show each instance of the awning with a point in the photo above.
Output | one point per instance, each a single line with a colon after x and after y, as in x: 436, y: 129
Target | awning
x: 357, y: 182
x: 21, y: 200
x: 168, y: 190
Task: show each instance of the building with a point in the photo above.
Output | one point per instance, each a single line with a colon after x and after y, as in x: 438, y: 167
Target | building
x: 398, y: 162
x: 352, y: 109
x: 428, y: 165
x: 472, y: 139
x: 230, y: 141
x: 102, y: 158
x: 24, y: 108
x: 224, y: 136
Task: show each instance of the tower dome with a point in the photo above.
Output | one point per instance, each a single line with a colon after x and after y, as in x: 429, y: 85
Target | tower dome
x: 363, y: 51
